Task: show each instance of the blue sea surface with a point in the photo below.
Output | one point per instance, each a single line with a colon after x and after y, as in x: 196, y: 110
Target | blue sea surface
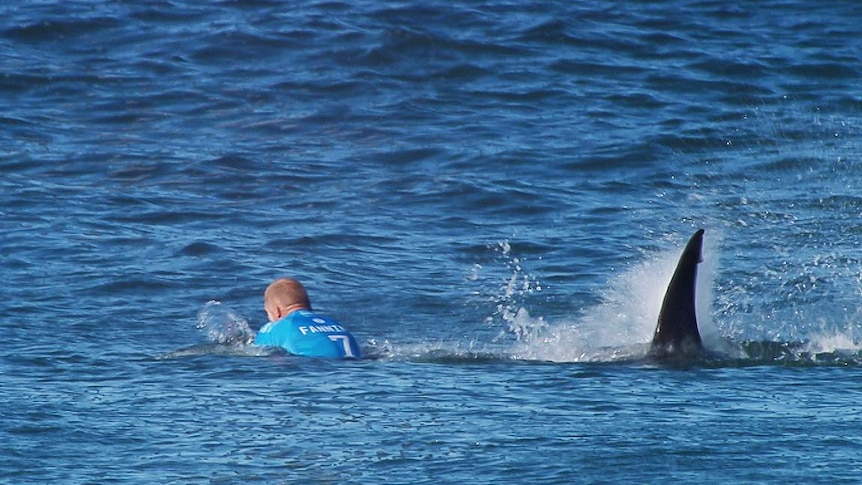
x: 491, y: 195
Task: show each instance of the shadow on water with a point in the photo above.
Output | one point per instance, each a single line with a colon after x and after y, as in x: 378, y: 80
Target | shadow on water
x: 748, y: 354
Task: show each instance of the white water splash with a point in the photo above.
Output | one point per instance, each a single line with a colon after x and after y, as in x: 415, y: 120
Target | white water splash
x: 222, y: 325
x: 519, y: 285
x: 832, y: 342
x: 621, y: 326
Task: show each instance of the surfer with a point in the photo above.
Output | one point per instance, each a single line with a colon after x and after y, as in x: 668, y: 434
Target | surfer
x: 296, y: 328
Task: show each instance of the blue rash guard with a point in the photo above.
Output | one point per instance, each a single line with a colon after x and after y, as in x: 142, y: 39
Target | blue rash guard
x: 309, y: 334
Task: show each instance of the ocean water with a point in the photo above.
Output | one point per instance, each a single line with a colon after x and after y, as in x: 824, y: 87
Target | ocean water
x: 491, y: 195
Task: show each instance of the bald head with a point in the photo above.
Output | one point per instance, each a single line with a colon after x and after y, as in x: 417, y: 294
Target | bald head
x: 283, y: 296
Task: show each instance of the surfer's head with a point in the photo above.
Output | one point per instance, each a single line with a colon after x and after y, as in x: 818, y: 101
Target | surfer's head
x: 284, y: 296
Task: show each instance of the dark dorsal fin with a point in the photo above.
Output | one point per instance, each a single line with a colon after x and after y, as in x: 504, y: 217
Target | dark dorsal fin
x: 676, y: 333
